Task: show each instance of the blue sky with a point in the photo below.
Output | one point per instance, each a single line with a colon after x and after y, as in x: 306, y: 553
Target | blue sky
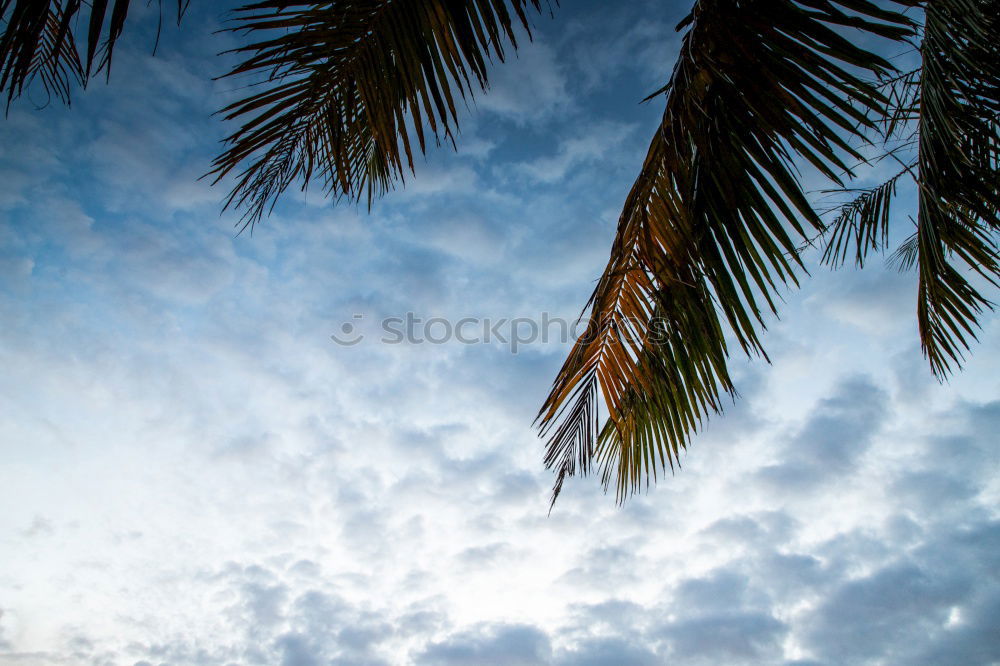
x: 192, y: 472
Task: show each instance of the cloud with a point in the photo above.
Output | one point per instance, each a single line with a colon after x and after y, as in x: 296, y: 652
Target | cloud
x: 506, y: 644
x: 529, y: 86
x: 878, y: 302
x: 610, y: 42
x: 889, y: 608
x: 913, y: 607
x: 830, y: 443
x: 591, y: 144
x: 733, y: 638
x: 612, y: 650
x: 40, y: 527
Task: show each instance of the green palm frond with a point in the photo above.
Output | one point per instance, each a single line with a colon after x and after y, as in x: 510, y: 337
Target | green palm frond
x: 39, y: 43
x: 707, y: 235
x: 959, y: 173
x: 345, y: 85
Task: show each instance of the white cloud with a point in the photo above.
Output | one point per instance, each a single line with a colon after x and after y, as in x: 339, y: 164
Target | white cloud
x: 592, y: 143
x: 530, y: 86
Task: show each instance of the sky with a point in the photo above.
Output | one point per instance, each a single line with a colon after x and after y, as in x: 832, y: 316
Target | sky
x: 192, y: 471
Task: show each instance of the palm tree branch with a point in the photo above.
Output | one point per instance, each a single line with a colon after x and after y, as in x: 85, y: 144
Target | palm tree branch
x: 342, y: 86
x: 39, y: 43
x: 958, y: 174
x: 863, y: 222
x: 707, y: 233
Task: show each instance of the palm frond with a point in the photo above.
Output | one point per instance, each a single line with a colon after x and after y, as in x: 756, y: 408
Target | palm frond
x: 904, y: 257
x: 706, y: 237
x: 39, y: 43
x: 345, y: 85
x: 862, y: 223
x: 959, y: 174
x: 903, y: 91
x: 56, y: 62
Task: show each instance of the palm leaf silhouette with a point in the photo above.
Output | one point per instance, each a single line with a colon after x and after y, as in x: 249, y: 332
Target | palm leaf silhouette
x: 947, y: 111
x: 348, y: 86
x: 39, y: 43
x: 959, y: 155
x: 707, y: 235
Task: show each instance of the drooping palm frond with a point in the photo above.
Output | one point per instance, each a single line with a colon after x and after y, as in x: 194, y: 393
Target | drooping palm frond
x: 904, y: 257
x: 958, y: 173
x: 39, y: 43
x: 345, y: 85
x: 55, y: 62
x: 708, y: 231
x: 903, y: 91
x: 947, y: 114
x: 862, y: 223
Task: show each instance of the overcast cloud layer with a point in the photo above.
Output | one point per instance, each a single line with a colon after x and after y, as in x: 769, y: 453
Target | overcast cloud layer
x: 192, y: 472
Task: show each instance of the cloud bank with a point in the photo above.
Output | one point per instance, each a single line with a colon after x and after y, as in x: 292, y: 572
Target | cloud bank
x: 193, y: 473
